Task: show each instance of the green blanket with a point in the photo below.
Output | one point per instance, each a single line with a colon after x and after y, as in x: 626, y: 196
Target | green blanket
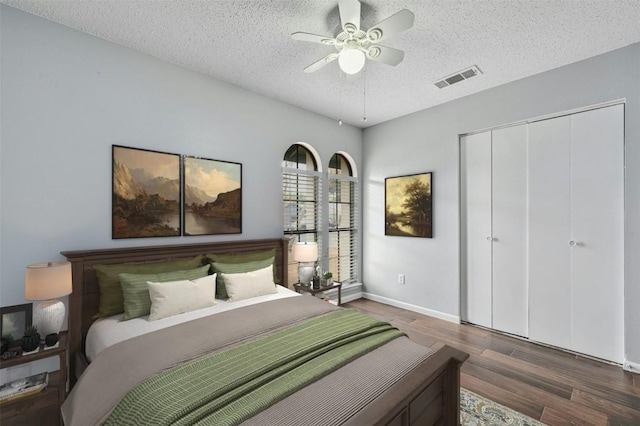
x: 228, y: 387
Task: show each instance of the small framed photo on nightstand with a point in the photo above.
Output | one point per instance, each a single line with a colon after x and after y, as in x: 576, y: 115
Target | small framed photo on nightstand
x: 15, y: 319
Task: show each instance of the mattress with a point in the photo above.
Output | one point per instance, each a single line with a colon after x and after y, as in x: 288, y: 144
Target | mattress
x: 108, y: 331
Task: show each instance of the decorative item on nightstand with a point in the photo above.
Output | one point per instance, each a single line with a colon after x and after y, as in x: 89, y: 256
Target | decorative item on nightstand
x: 316, y: 278
x: 305, y: 253
x: 46, y: 282
x: 50, y: 340
x: 30, y: 339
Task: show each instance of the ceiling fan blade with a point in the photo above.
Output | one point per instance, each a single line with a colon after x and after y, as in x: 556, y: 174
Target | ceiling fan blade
x: 385, y: 55
x: 321, y: 63
x: 391, y: 26
x: 314, y: 38
x: 349, y: 15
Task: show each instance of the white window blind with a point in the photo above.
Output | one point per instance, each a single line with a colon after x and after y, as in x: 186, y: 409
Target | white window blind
x: 343, y: 227
x: 301, y: 191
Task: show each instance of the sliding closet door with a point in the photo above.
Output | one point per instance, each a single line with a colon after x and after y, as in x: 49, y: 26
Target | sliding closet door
x: 597, y: 228
x: 549, y: 231
x: 509, y: 224
x: 476, y: 228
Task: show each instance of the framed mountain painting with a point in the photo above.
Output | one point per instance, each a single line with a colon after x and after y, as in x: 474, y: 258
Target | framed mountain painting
x: 212, y: 197
x: 146, y: 193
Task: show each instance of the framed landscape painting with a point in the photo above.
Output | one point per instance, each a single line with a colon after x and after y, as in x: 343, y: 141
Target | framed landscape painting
x: 146, y: 193
x: 408, y: 206
x: 212, y: 197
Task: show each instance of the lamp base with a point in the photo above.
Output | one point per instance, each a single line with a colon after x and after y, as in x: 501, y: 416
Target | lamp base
x: 49, y: 317
x: 305, y: 274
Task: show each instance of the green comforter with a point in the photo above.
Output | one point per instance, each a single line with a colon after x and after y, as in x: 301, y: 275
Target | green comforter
x: 228, y: 387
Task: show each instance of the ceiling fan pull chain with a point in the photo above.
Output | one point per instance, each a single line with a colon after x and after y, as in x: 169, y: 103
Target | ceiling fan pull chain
x: 340, y: 95
x: 364, y: 96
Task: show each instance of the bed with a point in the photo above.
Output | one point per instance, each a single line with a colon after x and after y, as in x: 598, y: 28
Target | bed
x: 395, y: 382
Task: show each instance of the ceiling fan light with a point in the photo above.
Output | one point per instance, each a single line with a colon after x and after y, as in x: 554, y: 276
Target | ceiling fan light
x: 351, y: 61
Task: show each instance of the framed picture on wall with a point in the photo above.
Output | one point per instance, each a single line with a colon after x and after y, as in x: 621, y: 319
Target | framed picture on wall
x: 212, y: 197
x: 15, y: 319
x: 146, y: 193
x: 408, y: 206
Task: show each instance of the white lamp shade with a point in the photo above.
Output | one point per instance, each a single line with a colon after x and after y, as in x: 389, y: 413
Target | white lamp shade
x: 351, y: 60
x: 44, y: 281
x: 305, y: 252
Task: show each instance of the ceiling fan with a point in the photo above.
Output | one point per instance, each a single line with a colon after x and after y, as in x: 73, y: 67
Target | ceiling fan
x: 354, y: 44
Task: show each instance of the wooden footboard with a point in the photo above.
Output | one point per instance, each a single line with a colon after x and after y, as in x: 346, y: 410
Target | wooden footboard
x: 430, y: 395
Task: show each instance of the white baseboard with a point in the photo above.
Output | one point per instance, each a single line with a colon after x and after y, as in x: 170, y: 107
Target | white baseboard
x: 632, y: 367
x: 410, y: 307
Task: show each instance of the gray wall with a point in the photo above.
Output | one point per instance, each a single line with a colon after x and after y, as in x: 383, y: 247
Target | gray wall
x: 67, y: 97
x: 428, y: 141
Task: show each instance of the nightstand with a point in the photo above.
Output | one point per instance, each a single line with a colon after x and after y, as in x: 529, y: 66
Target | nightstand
x: 309, y: 289
x: 42, y: 408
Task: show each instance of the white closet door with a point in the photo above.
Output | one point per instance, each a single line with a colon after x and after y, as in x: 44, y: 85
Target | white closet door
x: 476, y: 224
x: 597, y: 228
x: 509, y: 224
x: 549, y: 231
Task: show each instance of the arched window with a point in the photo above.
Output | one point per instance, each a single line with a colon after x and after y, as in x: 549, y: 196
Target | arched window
x: 301, y: 195
x: 343, y: 224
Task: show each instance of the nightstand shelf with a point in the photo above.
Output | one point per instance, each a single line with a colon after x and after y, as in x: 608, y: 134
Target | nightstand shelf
x: 42, y: 408
x: 309, y: 289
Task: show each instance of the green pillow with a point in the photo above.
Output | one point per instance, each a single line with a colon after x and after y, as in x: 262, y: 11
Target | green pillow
x: 111, y: 301
x: 245, y: 257
x: 235, y: 268
x: 135, y: 290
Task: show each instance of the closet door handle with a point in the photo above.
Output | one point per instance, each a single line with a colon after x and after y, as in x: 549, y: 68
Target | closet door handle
x: 573, y: 243
x: 489, y: 239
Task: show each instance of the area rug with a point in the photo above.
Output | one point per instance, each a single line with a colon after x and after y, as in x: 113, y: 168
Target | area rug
x: 476, y: 410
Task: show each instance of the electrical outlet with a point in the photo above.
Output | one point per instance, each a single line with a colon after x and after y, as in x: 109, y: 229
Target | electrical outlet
x: 400, y: 278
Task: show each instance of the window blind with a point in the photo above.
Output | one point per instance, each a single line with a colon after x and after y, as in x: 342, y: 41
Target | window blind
x: 343, y: 227
x: 301, y: 191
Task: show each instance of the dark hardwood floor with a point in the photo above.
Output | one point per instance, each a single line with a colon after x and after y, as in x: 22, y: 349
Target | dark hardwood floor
x: 552, y: 386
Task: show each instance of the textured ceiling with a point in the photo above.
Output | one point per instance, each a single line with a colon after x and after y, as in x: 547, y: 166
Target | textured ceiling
x: 248, y: 43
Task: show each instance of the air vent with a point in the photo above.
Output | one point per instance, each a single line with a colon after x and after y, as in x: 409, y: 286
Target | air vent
x: 458, y: 77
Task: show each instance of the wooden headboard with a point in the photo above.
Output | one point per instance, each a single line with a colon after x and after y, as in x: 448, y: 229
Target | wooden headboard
x: 83, y: 302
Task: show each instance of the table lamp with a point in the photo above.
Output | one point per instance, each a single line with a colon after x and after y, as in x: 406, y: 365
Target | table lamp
x: 47, y: 282
x: 306, y: 254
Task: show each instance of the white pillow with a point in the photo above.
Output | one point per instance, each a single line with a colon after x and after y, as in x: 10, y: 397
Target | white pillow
x: 249, y: 284
x: 177, y: 297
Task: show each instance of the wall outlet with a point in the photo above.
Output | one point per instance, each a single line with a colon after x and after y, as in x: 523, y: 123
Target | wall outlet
x: 400, y: 278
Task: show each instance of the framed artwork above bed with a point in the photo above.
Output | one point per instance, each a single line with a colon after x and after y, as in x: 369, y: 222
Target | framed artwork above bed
x: 212, y: 197
x: 408, y: 206
x: 146, y: 193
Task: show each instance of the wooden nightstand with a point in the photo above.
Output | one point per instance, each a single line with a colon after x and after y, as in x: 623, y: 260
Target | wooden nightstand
x: 309, y: 289
x: 42, y: 408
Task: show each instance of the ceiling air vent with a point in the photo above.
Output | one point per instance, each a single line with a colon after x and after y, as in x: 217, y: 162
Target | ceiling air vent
x: 458, y: 77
